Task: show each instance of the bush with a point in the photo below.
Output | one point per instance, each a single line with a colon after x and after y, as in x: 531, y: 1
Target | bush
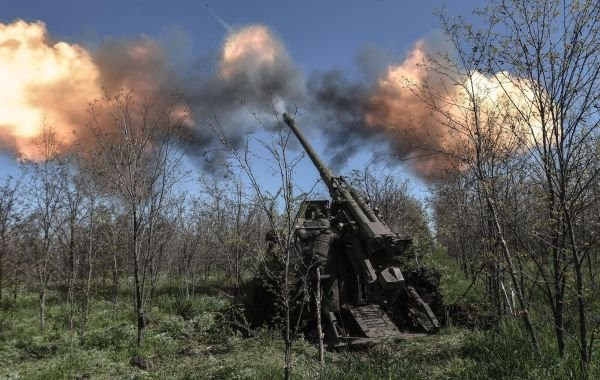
x: 188, y: 308
x: 37, y: 347
x: 176, y: 327
x: 113, y: 337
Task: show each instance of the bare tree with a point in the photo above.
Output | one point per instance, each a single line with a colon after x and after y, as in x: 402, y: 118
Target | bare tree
x: 8, y: 222
x: 555, y: 45
x: 69, y: 232
x: 187, y: 245
x: 140, y: 152
x: 93, y: 191
x: 484, y: 148
x: 287, y: 274
x: 532, y: 147
x: 43, y: 222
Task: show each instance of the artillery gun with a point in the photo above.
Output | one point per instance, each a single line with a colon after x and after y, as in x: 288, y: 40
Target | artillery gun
x: 366, y: 295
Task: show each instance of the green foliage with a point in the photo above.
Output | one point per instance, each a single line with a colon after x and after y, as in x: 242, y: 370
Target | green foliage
x: 114, y: 337
x: 425, y: 358
x: 454, y: 284
x: 203, y: 344
x: 176, y: 327
x: 188, y: 308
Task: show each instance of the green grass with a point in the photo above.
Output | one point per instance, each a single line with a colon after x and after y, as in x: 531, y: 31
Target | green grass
x: 454, y: 284
x: 187, y: 340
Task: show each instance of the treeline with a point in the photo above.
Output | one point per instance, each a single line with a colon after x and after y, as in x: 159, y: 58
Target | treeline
x: 117, y: 211
x: 520, y: 210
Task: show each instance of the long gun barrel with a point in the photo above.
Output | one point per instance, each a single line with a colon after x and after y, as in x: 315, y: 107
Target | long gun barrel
x: 332, y: 182
x: 373, y: 231
x: 326, y: 174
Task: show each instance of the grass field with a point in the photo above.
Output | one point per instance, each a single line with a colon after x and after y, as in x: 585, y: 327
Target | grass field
x: 186, y: 340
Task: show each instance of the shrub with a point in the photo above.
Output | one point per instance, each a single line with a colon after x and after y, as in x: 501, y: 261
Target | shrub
x: 113, y: 337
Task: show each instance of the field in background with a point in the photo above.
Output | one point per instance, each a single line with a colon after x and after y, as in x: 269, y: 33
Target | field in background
x: 188, y: 339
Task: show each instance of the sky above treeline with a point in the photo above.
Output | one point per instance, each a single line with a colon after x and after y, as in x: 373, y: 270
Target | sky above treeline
x: 318, y: 34
x: 321, y: 40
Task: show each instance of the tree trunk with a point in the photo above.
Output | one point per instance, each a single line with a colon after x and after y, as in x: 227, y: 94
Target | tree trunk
x: 42, y: 299
x: 508, y: 258
x: 559, y: 324
x: 318, y: 296
x: 1, y: 272
x: 86, y: 300
x: 288, y: 359
x: 578, y: 263
x: 138, y: 304
x: 581, y: 311
x: 237, y: 267
x: 88, y: 285
x: 115, y: 279
x: 288, y: 331
x: 135, y: 251
x: 71, y: 274
x: 15, y: 283
x: 71, y: 304
x: 153, y: 276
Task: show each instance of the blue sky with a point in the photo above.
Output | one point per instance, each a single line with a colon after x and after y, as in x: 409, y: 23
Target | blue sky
x: 319, y: 35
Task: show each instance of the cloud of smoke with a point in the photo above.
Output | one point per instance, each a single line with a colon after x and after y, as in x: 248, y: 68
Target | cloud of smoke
x: 54, y: 82
x: 339, y: 105
x: 253, y: 73
x: 254, y: 76
x: 41, y: 82
x: 394, y: 107
x: 389, y: 109
x: 381, y: 110
x: 51, y: 84
x: 139, y: 65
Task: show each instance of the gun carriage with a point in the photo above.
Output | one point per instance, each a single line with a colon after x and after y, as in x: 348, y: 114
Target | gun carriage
x: 366, y: 294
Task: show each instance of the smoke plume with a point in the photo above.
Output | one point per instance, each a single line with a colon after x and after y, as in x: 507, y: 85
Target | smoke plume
x: 44, y: 81
x: 41, y: 81
x: 47, y: 82
x: 381, y: 111
x: 253, y: 72
x: 388, y: 110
